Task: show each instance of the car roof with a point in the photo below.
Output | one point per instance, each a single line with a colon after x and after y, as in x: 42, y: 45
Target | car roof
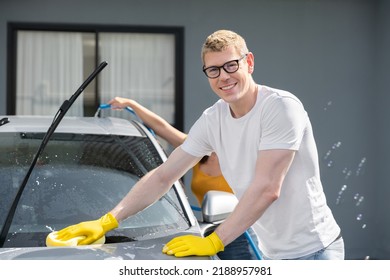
x: 84, y: 125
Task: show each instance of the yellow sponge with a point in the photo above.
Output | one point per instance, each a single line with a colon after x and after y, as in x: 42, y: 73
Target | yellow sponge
x: 52, y: 241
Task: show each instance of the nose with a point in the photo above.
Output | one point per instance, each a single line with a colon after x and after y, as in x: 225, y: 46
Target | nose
x: 223, y: 74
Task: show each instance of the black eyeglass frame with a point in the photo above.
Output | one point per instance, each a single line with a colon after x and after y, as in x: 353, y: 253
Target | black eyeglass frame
x: 223, y: 67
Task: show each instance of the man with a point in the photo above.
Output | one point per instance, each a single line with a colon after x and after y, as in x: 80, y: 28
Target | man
x: 267, y: 153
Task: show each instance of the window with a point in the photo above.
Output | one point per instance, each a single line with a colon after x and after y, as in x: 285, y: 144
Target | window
x: 47, y: 64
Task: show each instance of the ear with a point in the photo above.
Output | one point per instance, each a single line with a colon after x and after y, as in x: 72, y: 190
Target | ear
x: 250, y: 59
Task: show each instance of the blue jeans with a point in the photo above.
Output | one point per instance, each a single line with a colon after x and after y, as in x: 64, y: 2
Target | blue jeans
x: 240, y: 249
x: 335, y: 251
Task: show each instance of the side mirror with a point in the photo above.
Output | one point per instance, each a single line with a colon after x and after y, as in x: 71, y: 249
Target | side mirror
x: 217, y: 205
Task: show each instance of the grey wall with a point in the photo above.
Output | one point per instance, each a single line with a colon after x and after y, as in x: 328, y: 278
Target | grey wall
x: 332, y: 54
x: 381, y: 134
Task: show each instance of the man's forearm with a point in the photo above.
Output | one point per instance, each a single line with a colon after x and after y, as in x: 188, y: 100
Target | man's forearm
x: 148, y: 190
x: 251, y: 207
x: 154, y: 184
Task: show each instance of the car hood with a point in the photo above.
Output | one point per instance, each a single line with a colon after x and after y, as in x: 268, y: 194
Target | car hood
x: 139, y: 250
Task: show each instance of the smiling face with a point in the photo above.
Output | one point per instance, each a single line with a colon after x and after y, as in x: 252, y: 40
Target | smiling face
x: 234, y: 88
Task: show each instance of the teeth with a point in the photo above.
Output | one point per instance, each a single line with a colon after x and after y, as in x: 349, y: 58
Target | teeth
x: 227, y: 87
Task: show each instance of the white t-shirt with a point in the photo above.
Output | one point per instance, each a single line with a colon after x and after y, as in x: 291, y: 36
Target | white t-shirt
x: 299, y: 222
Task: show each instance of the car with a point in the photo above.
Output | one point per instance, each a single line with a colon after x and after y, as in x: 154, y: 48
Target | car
x: 86, y: 167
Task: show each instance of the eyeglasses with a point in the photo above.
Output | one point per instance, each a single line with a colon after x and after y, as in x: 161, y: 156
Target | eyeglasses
x: 230, y: 67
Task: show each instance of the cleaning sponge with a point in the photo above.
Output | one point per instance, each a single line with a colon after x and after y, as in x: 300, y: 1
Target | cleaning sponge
x: 52, y: 241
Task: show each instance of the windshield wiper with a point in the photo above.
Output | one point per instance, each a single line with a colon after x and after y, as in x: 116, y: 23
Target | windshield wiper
x: 4, y: 121
x: 57, y: 119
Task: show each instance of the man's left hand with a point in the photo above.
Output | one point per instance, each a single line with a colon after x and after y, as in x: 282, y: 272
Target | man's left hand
x: 191, y: 245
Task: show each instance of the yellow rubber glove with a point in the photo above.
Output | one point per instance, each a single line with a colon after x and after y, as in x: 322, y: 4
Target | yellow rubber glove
x: 91, y: 230
x: 191, y: 245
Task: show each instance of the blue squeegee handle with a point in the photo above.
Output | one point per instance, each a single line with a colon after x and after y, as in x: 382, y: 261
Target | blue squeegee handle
x: 106, y: 106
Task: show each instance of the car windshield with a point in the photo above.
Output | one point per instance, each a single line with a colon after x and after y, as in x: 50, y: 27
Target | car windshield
x: 78, y: 178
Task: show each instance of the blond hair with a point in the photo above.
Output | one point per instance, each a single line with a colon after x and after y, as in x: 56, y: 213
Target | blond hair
x: 222, y: 39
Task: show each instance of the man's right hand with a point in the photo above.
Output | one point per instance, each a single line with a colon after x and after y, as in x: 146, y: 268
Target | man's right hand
x: 91, y: 230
